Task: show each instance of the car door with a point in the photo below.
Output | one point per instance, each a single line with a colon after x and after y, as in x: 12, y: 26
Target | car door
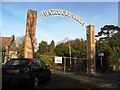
x: 46, y: 71
x: 38, y: 70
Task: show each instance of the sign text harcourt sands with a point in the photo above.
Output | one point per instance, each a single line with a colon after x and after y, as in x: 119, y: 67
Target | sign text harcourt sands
x: 64, y: 13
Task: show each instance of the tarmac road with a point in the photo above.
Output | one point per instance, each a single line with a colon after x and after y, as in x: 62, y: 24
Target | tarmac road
x: 71, y: 80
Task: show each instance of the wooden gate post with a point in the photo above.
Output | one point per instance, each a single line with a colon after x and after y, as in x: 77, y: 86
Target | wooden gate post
x: 30, y: 33
x: 91, y: 61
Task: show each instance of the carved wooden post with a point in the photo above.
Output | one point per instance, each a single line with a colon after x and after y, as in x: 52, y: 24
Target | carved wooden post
x: 91, y: 63
x: 30, y: 33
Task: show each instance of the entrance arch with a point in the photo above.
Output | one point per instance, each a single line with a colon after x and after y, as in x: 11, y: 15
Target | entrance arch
x: 31, y: 29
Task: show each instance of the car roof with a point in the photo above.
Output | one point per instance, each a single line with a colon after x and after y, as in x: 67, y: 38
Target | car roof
x: 24, y: 59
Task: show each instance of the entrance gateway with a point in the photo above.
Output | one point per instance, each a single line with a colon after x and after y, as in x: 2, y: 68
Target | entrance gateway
x: 31, y: 29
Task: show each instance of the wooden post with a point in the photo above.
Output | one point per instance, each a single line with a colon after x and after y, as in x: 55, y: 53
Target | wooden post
x: 91, y: 63
x: 64, y: 64
x: 30, y: 33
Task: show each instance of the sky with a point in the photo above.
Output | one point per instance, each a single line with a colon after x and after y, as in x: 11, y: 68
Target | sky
x: 60, y: 0
x: 57, y: 28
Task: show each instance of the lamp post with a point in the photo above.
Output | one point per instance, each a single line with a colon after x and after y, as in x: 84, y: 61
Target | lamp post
x: 101, y: 54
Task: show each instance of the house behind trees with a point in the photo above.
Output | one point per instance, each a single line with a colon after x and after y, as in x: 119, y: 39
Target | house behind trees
x: 8, y: 48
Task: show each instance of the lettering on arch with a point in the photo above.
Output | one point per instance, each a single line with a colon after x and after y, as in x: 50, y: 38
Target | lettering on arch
x: 63, y: 13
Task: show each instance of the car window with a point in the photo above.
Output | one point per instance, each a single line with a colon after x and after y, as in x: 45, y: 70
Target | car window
x: 43, y: 64
x: 17, y: 63
x: 37, y: 63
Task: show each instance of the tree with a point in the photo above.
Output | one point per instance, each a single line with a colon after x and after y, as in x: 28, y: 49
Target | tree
x: 114, y: 43
x: 108, y: 30
x: 51, y: 48
x: 60, y: 50
x: 45, y: 52
x: 110, y: 43
x: 20, y: 44
x: 78, y: 48
x: 43, y: 48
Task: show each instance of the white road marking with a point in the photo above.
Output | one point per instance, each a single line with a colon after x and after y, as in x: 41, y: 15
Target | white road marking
x: 106, y: 85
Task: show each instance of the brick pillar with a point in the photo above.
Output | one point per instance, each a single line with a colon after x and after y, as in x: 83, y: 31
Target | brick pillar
x: 30, y: 33
x: 91, y: 61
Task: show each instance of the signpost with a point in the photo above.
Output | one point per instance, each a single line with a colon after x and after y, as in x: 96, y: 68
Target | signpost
x: 101, y: 54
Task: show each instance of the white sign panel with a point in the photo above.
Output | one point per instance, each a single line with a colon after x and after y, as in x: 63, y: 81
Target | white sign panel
x: 101, y: 54
x: 58, y: 59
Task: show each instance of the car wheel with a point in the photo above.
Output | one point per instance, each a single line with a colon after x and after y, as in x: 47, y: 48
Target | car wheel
x: 35, y: 82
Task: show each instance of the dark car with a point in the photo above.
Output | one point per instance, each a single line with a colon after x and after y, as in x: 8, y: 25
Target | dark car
x: 25, y: 71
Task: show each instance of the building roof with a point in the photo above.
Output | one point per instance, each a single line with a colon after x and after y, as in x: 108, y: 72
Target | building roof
x: 8, y: 42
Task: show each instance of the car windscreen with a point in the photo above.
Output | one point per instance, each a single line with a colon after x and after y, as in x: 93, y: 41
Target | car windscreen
x: 17, y: 63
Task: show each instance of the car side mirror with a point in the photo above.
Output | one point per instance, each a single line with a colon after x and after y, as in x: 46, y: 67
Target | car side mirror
x: 35, y: 64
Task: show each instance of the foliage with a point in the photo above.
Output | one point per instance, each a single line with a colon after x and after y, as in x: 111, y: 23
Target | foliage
x: 108, y: 30
x: 47, y: 51
x: 114, y: 43
x: 78, y: 48
x: 46, y: 59
x: 110, y: 44
x: 20, y: 46
x: 43, y: 47
x: 51, y: 48
x: 61, y: 50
